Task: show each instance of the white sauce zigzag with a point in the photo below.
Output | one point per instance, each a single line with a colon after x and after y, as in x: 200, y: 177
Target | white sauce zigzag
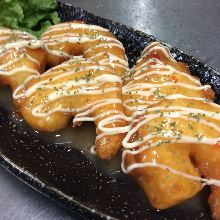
x: 92, y: 88
x: 17, y: 40
x: 69, y: 37
x: 158, y: 68
x: 78, y: 87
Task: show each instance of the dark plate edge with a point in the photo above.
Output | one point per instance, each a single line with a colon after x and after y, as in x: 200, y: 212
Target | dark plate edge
x: 52, y: 193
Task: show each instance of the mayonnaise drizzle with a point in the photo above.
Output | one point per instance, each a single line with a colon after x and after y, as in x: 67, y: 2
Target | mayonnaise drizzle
x: 16, y: 40
x: 165, y: 167
x: 73, y: 87
x: 91, y: 88
x: 92, y: 150
x: 80, y: 39
x: 54, y: 37
x: 154, y: 67
x: 61, y: 27
x: 167, y: 70
x: 105, y: 45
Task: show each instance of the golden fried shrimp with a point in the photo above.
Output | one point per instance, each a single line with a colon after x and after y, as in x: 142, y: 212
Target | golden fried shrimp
x: 207, y: 160
x: 155, y: 77
x: 174, y: 140
x: 21, y: 56
x: 81, y: 88
x: 101, y: 50
x: 66, y: 40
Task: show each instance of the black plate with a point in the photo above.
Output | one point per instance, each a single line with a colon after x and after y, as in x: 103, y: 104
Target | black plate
x: 55, y: 165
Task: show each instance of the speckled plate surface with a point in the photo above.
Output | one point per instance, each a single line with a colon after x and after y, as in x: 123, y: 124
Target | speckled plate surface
x: 60, y: 166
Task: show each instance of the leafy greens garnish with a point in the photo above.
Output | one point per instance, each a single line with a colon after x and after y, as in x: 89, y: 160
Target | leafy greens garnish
x: 33, y: 16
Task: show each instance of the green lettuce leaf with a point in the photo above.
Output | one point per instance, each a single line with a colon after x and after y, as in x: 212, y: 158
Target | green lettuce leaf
x: 33, y: 16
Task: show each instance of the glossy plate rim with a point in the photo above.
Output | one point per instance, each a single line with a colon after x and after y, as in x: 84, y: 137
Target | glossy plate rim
x: 51, y: 192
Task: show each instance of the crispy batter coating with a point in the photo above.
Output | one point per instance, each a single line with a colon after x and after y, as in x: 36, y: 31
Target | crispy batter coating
x: 66, y: 40
x: 174, y: 140
x: 81, y: 88
x: 104, y: 54
x: 89, y: 89
x: 21, y: 56
x: 172, y: 147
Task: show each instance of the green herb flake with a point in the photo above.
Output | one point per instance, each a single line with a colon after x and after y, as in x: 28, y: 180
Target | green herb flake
x: 200, y: 137
x: 190, y: 125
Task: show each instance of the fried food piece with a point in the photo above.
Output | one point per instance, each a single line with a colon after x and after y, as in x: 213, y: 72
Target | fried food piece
x: 81, y: 88
x: 177, y: 129
x: 101, y: 49
x: 207, y: 160
x: 21, y: 56
x: 63, y: 41
x: 155, y: 77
